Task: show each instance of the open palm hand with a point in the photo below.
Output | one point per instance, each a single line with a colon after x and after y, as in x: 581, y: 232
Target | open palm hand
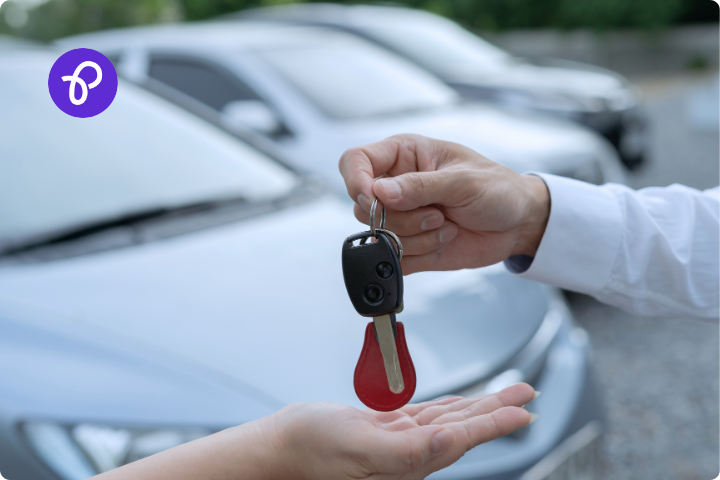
x: 334, y: 441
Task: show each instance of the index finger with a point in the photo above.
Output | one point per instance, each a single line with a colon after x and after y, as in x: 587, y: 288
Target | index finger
x: 393, y: 156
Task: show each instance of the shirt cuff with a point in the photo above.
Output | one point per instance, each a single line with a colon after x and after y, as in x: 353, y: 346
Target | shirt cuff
x: 581, y: 239
x: 518, y: 263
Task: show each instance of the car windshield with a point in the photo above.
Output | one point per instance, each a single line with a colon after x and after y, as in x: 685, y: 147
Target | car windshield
x: 438, y: 44
x: 349, y: 78
x: 58, y: 172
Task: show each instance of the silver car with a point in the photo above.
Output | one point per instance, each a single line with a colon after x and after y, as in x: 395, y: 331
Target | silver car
x: 314, y: 92
x: 160, y: 280
x: 598, y: 98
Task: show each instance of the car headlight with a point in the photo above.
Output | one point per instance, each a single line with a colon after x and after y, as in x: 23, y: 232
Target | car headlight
x: 81, y: 451
x: 622, y: 99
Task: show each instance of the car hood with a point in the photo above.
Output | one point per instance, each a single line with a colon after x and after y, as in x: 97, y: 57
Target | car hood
x: 263, y: 301
x: 521, y: 141
x: 527, y: 76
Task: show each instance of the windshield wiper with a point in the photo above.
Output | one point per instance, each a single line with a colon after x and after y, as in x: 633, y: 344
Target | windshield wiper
x: 132, y: 218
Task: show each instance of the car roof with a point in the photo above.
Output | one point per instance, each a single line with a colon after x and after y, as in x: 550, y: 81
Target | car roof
x: 219, y: 34
x: 335, y: 14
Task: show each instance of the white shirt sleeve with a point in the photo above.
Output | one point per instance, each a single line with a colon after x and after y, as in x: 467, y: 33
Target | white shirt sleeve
x: 653, y: 251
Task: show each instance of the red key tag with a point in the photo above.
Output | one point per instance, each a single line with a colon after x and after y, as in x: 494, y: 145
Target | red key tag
x: 371, y: 381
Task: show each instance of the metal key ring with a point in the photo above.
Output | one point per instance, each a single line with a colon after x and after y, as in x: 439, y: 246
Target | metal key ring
x: 372, y: 217
x: 395, y: 239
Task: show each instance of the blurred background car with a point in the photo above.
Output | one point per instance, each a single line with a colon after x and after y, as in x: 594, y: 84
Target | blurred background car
x: 316, y: 91
x: 595, y: 97
x: 160, y: 279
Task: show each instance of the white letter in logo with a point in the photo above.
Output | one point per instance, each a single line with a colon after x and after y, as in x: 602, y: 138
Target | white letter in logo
x: 83, y: 86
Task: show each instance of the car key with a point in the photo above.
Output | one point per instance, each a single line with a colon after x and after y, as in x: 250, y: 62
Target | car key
x: 373, y: 279
x: 386, y: 335
x: 374, y: 282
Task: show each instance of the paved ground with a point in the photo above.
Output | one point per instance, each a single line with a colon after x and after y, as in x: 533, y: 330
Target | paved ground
x: 660, y: 376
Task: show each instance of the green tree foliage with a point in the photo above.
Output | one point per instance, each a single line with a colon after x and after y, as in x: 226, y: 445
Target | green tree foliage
x: 201, y: 9
x: 507, y: 14
x: 607, y: 14
x: 58, y: 18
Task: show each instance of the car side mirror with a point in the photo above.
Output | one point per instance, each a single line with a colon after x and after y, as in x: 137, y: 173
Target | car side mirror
x: 250, y: 114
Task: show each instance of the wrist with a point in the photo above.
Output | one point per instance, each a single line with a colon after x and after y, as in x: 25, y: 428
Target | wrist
x: 535, y: 216
x: 262, y: 450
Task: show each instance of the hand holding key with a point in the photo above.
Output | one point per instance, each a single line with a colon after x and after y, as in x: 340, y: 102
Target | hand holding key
x: 451, y: 207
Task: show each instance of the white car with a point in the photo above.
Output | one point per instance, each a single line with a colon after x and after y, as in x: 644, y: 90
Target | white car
x: 314, y: 92
x: 161, y: 280
x: 598, y: 98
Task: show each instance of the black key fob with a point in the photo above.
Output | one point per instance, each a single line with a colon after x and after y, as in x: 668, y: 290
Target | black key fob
x: 372, y: 273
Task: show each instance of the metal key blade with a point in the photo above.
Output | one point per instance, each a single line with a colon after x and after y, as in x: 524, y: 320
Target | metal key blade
x: 386, y: 338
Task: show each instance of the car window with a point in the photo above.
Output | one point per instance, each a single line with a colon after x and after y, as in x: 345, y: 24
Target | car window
x: 437, y: 43
x: 203, y: 81
x: 348, y: 77
x: 57, y: 171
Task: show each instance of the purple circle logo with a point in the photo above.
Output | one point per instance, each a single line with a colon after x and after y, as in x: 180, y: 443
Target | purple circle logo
x: 82, y: 82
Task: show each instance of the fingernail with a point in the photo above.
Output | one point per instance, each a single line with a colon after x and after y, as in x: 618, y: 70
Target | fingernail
x: 447, y: 233
x: 364, y: 202
x: 537, y: 394
x: 431, y: 222
x: 533, y: 417
x: 391, y: 187
x: 442, y: 440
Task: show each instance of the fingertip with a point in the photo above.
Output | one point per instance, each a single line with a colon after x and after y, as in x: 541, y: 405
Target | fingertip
x: 509, y: 419
x: 527, y: 392
x: 357, y: 172
x: 525, y: 386
x: 432, y: 221
x: 516, y: 395
x: 448, y: 232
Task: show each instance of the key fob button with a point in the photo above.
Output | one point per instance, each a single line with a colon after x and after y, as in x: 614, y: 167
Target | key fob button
x: 384, y: 270
x: 373, y: 294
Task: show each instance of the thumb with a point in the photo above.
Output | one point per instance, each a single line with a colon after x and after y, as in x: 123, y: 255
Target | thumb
x: 413, y: 452
x: 417, y: 189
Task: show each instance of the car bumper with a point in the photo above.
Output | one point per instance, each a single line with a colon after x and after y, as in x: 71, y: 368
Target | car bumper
x: 624, y: 129
x: 567, y: 432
